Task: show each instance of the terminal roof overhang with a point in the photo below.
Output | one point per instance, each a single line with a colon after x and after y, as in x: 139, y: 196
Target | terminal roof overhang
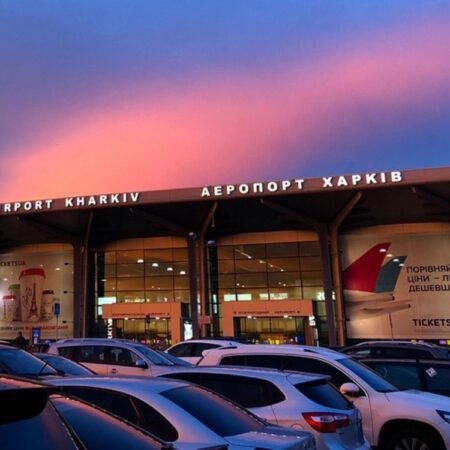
x: 422, y: 196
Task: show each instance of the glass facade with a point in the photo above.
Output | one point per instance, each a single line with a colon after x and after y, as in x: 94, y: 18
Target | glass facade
x: 144, y: 275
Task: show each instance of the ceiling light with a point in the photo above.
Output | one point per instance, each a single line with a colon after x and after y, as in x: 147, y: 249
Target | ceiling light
x: 170, y: 269
x: 182, y: 272
x: 155, y: 264
x: 140, y: 261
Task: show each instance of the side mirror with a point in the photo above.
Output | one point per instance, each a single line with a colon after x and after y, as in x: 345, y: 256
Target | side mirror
x: 141, y: 363
x: 350, y: 389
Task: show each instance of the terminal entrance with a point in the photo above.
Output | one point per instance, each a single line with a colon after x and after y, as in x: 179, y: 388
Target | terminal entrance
x: 271, y: 330
x: 154, y: 333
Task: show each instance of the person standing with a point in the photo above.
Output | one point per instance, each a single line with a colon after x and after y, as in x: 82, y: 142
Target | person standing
x: 20, y: 341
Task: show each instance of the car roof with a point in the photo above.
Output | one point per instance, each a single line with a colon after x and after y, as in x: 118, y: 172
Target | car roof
x: 256, y: 372
x: 282, y: 348
x: 397, y: 343
x: 91, y: 341
x: 221, y: 342
x: 412, y: 361
x: 125, y: 384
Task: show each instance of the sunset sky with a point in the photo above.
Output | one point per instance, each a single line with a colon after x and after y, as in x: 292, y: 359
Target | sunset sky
x: 101, y: 96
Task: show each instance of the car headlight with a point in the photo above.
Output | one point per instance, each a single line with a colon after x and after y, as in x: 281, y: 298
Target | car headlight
x: 444, y: 414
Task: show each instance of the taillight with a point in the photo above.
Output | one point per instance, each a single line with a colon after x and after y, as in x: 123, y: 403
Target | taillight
x: 324, y: 422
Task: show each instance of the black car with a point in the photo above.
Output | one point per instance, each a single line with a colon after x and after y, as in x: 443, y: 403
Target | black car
x: 425, y: 375
x: 33, y: 416
x: 397, y: 349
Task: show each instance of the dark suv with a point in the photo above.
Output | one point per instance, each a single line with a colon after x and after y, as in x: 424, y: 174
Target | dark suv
x: 397, y: 349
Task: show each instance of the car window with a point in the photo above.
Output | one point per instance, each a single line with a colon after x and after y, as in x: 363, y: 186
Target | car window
x: 234, y: 360
x: 20, y: 362
x: 199, y: 347
x: 154, y: 422
x: 91, y: 354
x: 121, y: 356
x: 324, y: 394
x: 182, y: 350
x: 400, y: 375
x: 227, y: 419
x: 152, y: 355
x: 395, y: 352
x: 246, y: 391
x: 305, y: 364
x: 114, y: 402
x: 67, y: 352
x: 437, y: 379
x: 372, y: 378
x: 359, y: 351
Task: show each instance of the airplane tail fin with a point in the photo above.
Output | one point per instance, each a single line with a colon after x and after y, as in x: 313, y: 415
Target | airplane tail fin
x: 362, y: 274
x: 388, y: 276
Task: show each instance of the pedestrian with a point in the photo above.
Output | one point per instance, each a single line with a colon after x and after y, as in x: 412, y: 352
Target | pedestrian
x: 20, y: 341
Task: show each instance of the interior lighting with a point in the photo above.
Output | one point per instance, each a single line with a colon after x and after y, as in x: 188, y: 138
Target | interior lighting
x: 58, y: 268
x: 170, y: 269
x: 155, y: 264
x: 182, y: 272
x: 140, y: 261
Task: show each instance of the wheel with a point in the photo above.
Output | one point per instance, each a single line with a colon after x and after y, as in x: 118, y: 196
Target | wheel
x: 412, y: 440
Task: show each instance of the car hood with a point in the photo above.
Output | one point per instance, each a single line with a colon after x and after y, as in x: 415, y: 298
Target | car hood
x: 420, y: 398
x: 277, y: 438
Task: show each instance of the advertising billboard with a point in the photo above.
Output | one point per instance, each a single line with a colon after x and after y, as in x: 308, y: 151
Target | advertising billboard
x: 32, y: 284
x: 397, y: 286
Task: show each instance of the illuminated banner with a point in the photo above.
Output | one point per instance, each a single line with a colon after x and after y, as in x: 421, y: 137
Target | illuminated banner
x: 397, y: 286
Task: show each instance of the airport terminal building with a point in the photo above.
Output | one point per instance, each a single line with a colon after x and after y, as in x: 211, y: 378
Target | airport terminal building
x: 325, y: 260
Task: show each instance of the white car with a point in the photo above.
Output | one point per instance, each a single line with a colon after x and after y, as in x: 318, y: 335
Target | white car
x: 186, y: 415
x: 112, y: 356
x: 192, y: 349
x: 392, y: 419
x: 301, y: 401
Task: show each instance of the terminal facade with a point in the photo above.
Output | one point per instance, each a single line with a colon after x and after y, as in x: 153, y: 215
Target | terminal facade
x: 328, y: 261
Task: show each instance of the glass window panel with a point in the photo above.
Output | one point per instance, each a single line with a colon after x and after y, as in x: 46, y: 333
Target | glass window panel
x: 250, y: 265
x: 130, y: 270
x: 312, y: 278
x: 159, y: 282
x: 180, y: 267
x: 278, y: 279
x: 320, y: 308
x: 310, y: 263
x: 110, y: 271
x: 244, y: 294
x: 159, y: 268
x: 130, y: 296
x: 130, y: 284
x: 283, y: 265
x: 129, y: 256
x: 182, y: 282
x: 180, y: 254
x: 313, y: 292
x: 158, y: 254
x: 251, y: 280
x: 284, y: 249
x: 250, y: 251
x: 111, y: 293
x: 309, y: 248
x: 227, y: 281
x: 110, y: 284
x: 183, y: 296
x: 225, y: 266
x: 159, y: 296
x: 110, y: 257
x: 285, y: 293
x: 225, y: 252
x: 227, y: 295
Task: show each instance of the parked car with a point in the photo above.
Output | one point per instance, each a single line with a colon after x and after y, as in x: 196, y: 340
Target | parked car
x: 64, y: 366
x: 426, y: 375
x: 32, y: 416
x: 192, y: 349
x: 303, y: 401
x: 392, y: 419
x: 15, y: 361
x: 397, y: 349
x: 184, y: 414
x: 112, y: 356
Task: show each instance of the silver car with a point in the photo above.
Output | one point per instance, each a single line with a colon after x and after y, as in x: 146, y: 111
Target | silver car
x: 301, y: 401
x: 189, y: 416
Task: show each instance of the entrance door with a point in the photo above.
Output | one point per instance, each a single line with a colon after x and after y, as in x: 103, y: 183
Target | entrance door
x: 271, y: 330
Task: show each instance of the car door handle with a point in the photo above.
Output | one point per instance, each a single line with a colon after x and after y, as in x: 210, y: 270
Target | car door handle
x: 113, y: 370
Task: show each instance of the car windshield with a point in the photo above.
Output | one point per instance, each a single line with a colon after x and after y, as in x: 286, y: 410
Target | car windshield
x: 153, y: 356
x: 228, y: 419
x: 20, y: 362
x: 372, y: 378
x: 66, y: 366
x: 174, y: 359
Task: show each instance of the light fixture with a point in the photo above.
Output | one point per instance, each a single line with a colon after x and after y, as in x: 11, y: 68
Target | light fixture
x: 155, y: 264
x: 58, y: 268
x: 140, y: 261
x: 383, y: 250
x: 182, y: 272
x: 5, y: 279
x: 170, y: 269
